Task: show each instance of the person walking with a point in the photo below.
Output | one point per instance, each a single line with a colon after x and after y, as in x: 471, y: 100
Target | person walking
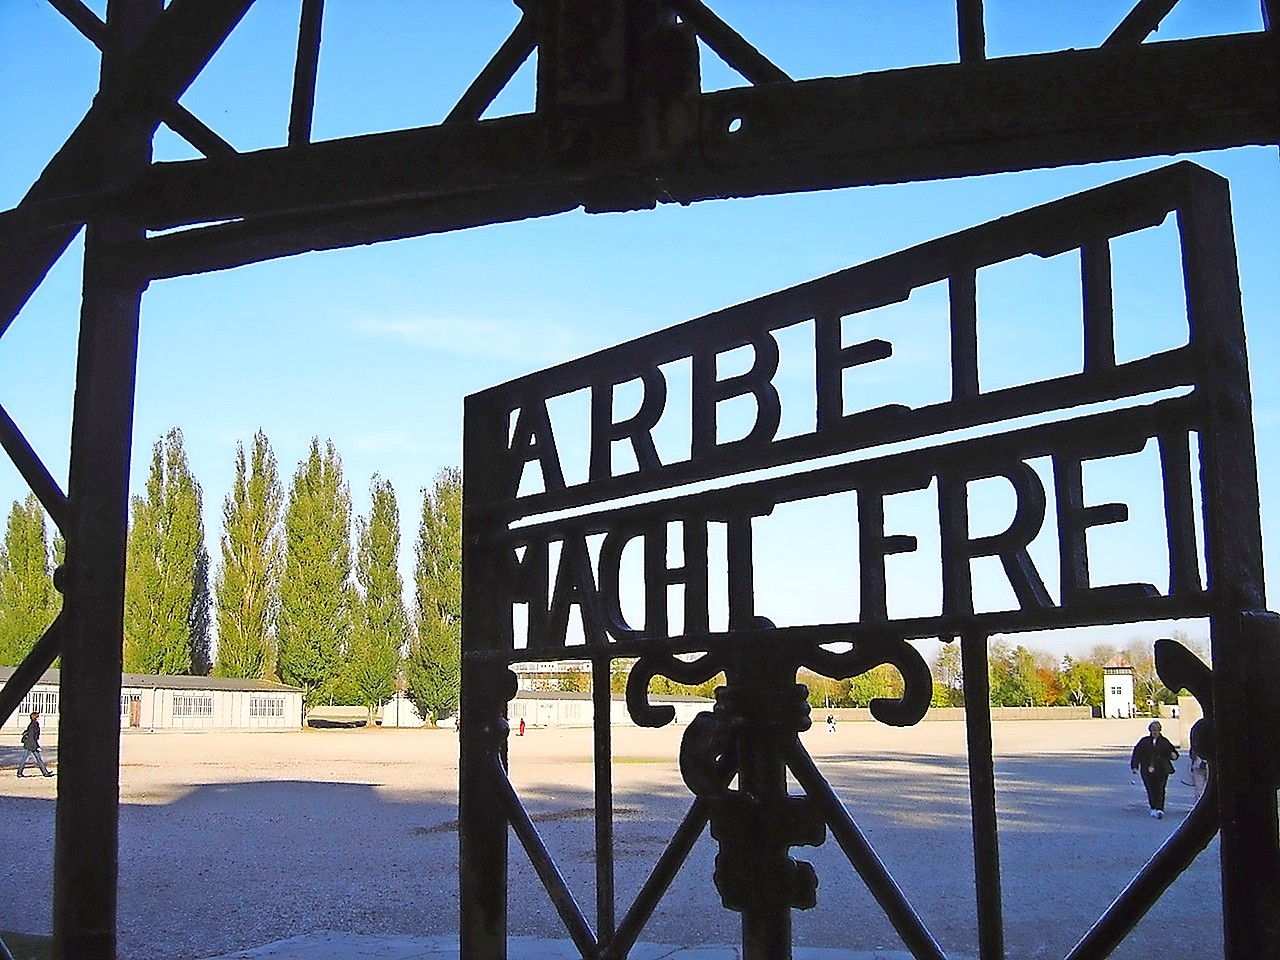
x: 31, y: 746
x: 1200, y: 747
x: 1153, y: 757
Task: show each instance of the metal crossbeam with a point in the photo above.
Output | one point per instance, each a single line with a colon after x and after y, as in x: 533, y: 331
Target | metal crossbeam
x: 186, y: 36
x: 998, y: 115
x: 1142, y: 21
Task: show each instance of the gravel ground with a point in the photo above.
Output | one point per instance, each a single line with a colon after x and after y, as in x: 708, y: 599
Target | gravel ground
x: 232, y: 840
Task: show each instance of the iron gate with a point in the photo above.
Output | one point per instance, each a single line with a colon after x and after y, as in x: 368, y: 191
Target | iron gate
x: 526, y: 543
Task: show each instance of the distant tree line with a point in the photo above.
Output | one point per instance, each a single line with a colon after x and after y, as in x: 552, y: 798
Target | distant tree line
x: 292, y: 603
x: 1019, y: 676
x: 290, y: 599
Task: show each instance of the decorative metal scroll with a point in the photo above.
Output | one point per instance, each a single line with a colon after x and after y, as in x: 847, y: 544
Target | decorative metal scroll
x: 537, y: 541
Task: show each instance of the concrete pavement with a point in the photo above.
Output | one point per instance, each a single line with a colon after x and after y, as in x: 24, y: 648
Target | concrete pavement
x: 349, y: 946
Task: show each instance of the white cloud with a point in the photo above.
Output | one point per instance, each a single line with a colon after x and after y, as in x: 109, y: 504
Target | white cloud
x: 391, y: 441
x: 525, y: 341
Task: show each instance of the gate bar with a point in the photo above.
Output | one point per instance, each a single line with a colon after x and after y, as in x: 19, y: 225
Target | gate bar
x: 1140, y: 894
x: 570, y: 913
x: 602, y: 721
x: 864, y: 859
x: 656, y: 884
x: 982, y: 795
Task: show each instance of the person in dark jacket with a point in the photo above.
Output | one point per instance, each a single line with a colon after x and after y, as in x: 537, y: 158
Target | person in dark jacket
x: 31, y: 746
x: 1153, y: 757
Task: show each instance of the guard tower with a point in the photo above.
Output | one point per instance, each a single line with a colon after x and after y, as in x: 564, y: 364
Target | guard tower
x: 1117, y: 693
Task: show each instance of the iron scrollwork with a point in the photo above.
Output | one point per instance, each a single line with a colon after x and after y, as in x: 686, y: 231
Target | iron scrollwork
x: 752, y: 736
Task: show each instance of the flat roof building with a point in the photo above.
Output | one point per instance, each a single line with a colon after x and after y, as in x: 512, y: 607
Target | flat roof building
x: 180, y: 702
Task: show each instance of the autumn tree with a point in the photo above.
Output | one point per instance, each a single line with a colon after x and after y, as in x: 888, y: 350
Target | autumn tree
x: 165, y: 608
x: 434, y: 666
x: 28, y: 600
x: 381, y: 629
x: 316, y: 597
x: 246, y: 588
x: 575, y: 681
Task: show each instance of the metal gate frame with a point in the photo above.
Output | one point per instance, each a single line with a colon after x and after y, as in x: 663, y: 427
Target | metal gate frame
x: 621, y: 123
x: 752, y: 734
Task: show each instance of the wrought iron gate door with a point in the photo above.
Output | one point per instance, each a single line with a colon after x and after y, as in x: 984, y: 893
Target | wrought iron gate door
x: 539, y: 541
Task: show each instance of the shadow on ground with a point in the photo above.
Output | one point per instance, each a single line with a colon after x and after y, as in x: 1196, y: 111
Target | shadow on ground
x: 232, y: 865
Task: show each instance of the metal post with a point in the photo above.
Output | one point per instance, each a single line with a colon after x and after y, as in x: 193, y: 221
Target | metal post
x: 766, y: 920
x: 1245, y: 658
x: 982, y: 795
x: 759, y: 713
x: 87, y: 814
x: 603, y: 730
x: 482, y: 820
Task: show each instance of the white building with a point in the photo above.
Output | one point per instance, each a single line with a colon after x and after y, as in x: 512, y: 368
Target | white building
x: 549, y: 674
x: 1117, y: 689
x: 178, y: 702
x: 399, y: 711
x: 555, y: 708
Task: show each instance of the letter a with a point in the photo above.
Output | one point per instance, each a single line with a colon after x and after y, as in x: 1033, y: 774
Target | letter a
x: 533, y: 439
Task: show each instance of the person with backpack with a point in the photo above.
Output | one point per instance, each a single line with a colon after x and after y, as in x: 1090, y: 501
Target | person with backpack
x: 31, y: 746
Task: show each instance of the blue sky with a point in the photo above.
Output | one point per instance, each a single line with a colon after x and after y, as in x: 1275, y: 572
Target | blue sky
x: 375, y: 347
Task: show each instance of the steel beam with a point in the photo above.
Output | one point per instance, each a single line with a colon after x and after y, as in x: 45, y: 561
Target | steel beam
x: 950, y: 120
x: 86, y: 819
x: 164, y: 65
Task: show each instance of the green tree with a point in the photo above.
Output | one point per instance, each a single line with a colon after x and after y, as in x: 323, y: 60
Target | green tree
x: 574, y: 682
x: 433, y: 670
x: 165, y: 605
x: 1015, y: 679
x: 247, y: 585
x: 381, y: 630
x: 316, y: 597
x: 199, y: 619
x: 1081, y: 683
x: 883, y: 681
x: 619, y: 670
x: 28, y: 601
x: 948, y: 676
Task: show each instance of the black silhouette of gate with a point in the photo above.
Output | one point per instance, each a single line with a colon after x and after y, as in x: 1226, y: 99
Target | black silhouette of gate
x: 530, y: 548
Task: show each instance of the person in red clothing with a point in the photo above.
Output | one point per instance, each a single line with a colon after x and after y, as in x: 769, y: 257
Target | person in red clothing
x: 1153, y: 757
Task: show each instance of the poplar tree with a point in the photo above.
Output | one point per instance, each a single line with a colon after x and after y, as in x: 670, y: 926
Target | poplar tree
x: 315, y: 585
x: 28, y: 601
x: 246, y: 587
x: 199, y: 620
x: 382, y: 627
x: 165, y: 606
x: 434, y: 667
